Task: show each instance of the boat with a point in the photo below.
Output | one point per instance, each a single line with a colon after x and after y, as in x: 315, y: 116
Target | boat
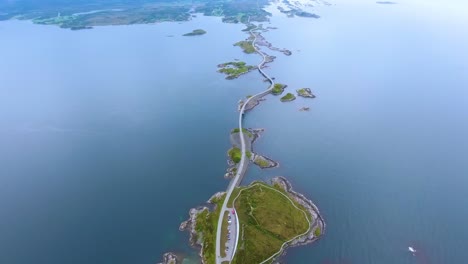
x: 412, y: 250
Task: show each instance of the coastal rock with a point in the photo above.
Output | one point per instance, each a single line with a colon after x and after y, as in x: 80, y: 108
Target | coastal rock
x: 230, y: 172
x: 170, y: 258
x: 216, y: 196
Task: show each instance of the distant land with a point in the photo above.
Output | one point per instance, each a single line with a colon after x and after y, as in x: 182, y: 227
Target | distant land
x: 80, y: 15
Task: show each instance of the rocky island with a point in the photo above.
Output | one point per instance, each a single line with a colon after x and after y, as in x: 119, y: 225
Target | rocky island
x: 305, y: 92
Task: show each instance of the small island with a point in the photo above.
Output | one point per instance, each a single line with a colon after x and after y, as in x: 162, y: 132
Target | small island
x: 278, y: 88
x: 234, y: 69
x: 195, y: 32
x: 288, y: 97
x: 263, y: 162
x: 246, y: 46
x: 305, y: 92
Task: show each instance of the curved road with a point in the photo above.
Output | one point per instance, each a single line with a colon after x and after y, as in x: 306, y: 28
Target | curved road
x: 242, y: 165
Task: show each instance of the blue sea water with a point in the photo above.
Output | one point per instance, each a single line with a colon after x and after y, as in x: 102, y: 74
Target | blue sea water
x: 383, y: 151
x: 108, y: 136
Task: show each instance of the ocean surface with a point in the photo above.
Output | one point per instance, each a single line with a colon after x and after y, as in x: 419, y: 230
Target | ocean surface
x: 109, y: 136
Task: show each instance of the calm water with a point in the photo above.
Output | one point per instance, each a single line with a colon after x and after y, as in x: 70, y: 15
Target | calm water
x: 109, y: 136
x: 383, y: 150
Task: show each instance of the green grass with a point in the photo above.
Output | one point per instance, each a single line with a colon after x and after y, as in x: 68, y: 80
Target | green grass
x: 288, y: 97
x: 206, y: 226
x: 248, y: 154
x: 234, y: 69
x: 268, y: 219
x: 278, y: 89
x: 246, y: 46
x: 261, y: 162
x: 247, y: 132
x: 235, y: 154
x: 317, y: 231
x: 302, y: 91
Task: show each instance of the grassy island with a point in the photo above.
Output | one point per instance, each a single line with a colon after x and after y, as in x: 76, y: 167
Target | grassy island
x: 195, y: 32
x: 288, y: 97
x: 235, y: 154
x: 234, y: 69
x: 305, y: 92
x: 278, y: 89
x: 269, y: 217
x: 302, y: 91
x: 246, y: 46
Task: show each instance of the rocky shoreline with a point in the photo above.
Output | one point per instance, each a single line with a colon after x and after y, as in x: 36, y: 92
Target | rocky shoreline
x: 261, y: 41
x: 262, y: 161
x: 318, y: 221
x: 190, y: 226
x: 250, y: 105
x: 170, y: 258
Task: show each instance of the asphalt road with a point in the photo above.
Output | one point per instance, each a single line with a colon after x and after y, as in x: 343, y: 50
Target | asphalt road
x: 244, y: 161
